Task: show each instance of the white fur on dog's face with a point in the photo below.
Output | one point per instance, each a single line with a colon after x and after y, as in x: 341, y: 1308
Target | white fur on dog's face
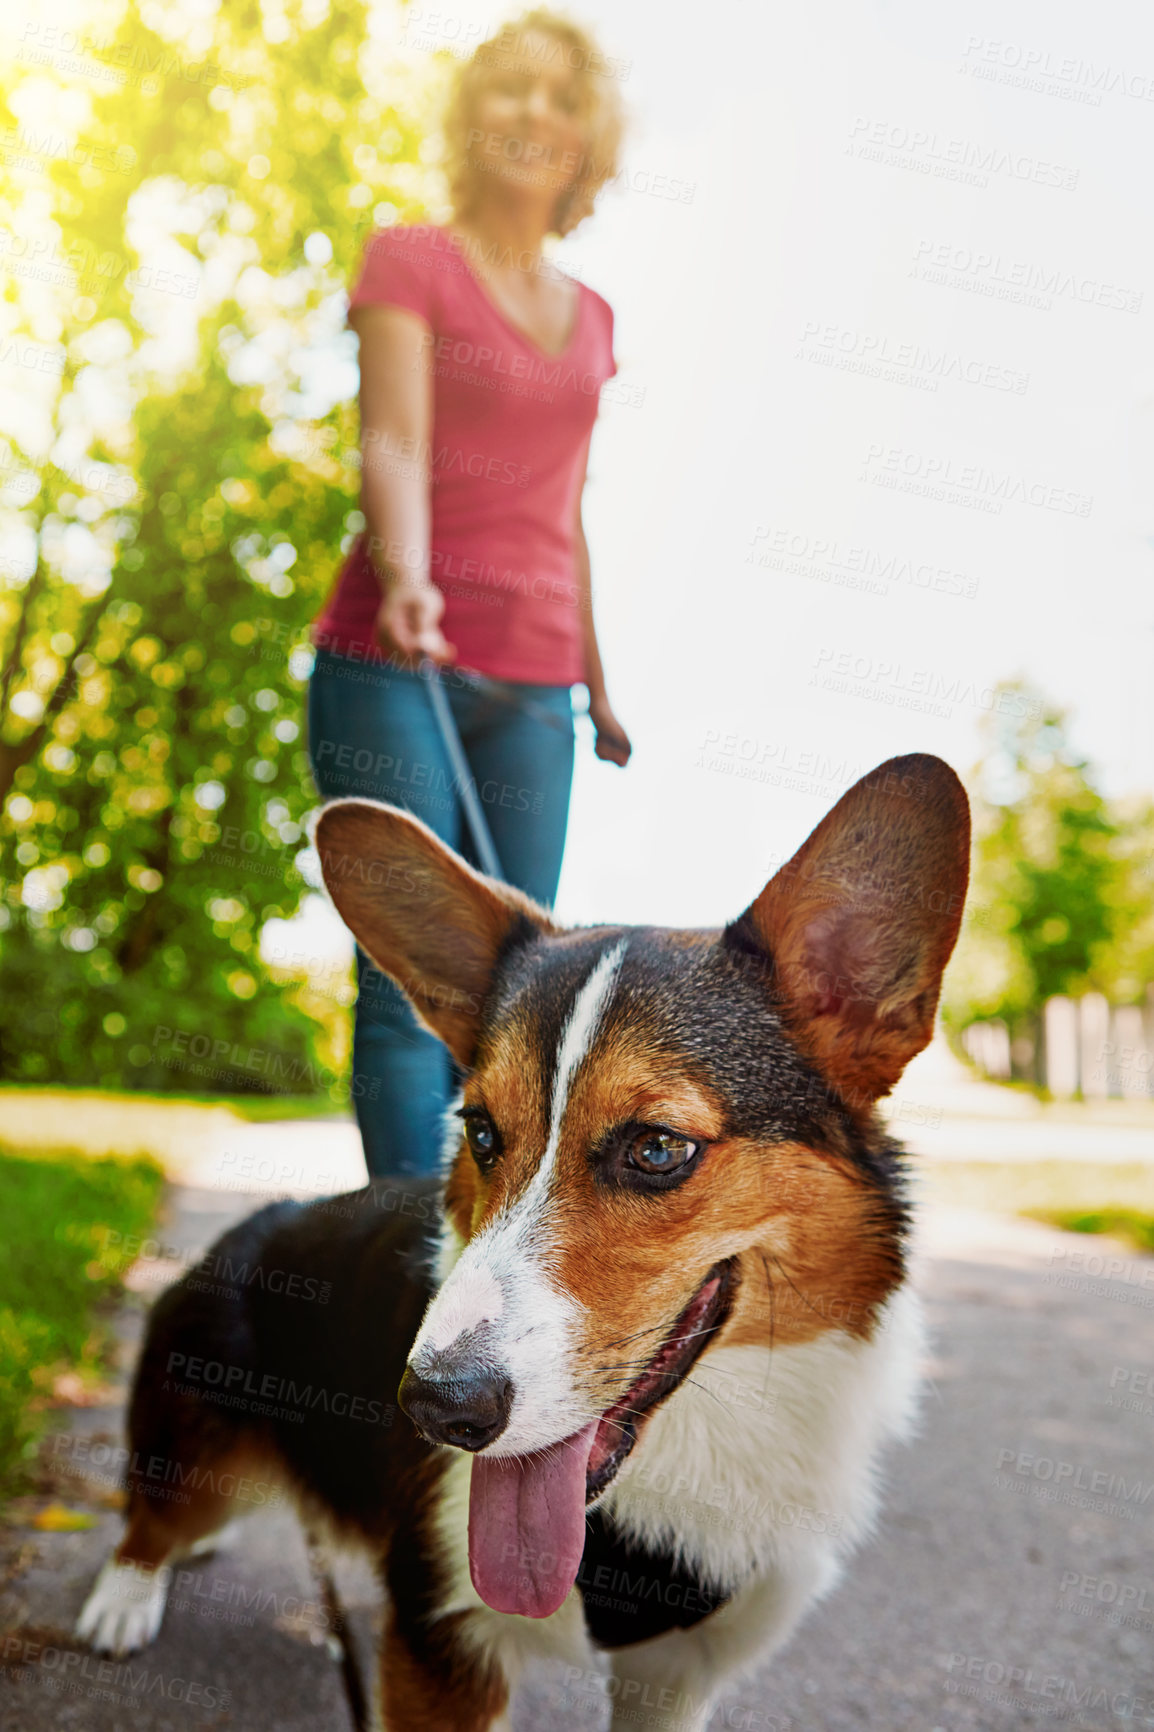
x: 502, y: 1277
x: 759, y: 1049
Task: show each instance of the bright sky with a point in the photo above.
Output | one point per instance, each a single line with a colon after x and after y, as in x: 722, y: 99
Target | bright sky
x: 882, y: 277
x: 792, y: 377
x: 783, y: 333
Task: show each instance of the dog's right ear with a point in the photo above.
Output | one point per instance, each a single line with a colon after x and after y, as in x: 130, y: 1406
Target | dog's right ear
x: 854, y: 932
x: 431, y: 922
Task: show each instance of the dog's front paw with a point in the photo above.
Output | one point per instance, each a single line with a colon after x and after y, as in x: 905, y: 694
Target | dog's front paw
x: 124, y: 1609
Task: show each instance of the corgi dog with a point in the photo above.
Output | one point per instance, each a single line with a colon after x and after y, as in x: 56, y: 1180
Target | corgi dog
x: 612, y: 1391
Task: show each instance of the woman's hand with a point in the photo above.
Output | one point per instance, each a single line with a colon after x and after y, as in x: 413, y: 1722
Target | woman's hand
x: 409, y: 624
x: 612, y: 742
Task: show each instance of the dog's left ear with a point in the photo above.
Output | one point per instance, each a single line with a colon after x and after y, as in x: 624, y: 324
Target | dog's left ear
x: 858, y: 927
x: 421, y: 912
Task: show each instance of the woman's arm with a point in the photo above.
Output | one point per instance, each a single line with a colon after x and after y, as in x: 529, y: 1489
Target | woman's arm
x: 612, y: 742
x: 396, y: 430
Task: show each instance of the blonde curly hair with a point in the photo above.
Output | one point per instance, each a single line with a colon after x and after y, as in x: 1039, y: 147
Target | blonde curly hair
x: 595, y: 78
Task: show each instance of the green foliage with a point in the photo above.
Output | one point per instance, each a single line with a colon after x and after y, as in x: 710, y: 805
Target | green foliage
x: 1059, y: 899
x: 65, y: 1216
x: 182, y: 475
x: 1129, y: 1225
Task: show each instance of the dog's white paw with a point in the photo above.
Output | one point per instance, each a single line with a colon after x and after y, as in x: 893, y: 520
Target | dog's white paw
x: 124, y: 1609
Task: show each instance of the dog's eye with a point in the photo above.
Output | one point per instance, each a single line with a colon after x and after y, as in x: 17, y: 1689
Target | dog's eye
x: 661, y: 1152
x: 481, y: 1136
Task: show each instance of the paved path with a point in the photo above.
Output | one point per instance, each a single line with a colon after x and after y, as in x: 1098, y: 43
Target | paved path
x: 1012, y: 1580
x: 245, y: 1643
x: 941, y: 1111
x: 979, y: 1574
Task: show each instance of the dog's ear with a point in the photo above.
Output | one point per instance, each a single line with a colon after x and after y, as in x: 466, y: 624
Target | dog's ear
x: 424, y: 916
x: 857, y: 928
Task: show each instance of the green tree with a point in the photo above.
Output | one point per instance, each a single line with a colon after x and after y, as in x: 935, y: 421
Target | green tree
x: 181, y: 472
x: 1056, y: 891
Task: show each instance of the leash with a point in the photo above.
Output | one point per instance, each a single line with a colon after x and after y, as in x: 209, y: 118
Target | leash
x: 500, y: 692
x: 467, y: 787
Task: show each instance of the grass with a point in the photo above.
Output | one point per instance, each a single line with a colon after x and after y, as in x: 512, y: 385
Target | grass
x: 256, y: 1108
x: 1130, y: 1225
x: 63, y: 1213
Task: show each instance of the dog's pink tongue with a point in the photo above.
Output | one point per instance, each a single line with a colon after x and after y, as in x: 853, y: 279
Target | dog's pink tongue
x: 527, y: 1526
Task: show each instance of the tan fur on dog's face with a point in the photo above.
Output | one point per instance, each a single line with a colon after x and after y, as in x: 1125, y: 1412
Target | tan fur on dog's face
x: 767, y: 1044
x: 817, y: 1239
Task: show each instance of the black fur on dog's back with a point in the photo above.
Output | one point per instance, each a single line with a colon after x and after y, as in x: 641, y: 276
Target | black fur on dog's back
x: 289, y: 1339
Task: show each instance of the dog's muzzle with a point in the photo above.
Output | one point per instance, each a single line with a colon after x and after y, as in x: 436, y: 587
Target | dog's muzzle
x: 454, y: 1399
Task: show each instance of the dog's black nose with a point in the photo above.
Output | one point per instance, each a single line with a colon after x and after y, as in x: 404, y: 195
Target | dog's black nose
x: 467, y: 1408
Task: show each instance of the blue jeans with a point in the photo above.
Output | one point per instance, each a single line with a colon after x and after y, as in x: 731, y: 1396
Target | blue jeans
x: 372, y: 733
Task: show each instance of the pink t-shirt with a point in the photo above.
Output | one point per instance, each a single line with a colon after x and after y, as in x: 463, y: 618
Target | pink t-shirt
x: 510, y: 426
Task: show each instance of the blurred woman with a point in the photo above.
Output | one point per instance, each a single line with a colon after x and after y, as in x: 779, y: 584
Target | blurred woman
x: 481, y: 366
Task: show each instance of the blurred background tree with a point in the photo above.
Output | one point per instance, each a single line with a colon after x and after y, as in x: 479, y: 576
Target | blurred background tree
x: 1060, y: 899
x: 187, y: 197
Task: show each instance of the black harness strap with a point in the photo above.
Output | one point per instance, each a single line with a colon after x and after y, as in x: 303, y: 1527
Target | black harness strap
x: 631, y: 1594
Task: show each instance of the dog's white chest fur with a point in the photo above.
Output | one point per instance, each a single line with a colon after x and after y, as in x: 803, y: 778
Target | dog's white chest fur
x: 759, y: 1475
x: 763, y: 1453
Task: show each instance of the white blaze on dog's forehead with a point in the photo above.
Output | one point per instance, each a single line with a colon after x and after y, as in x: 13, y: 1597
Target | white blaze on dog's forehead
x: 577, y: 1037
x: 502, y: 1276
x: 536, y: 1336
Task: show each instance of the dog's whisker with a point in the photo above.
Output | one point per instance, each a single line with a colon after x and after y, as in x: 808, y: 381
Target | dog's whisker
x: 772, y: 1308
x: 785, y: 1277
